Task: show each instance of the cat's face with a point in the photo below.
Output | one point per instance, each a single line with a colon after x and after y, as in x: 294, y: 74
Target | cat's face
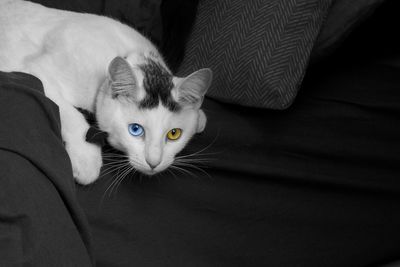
x: 149, y: 114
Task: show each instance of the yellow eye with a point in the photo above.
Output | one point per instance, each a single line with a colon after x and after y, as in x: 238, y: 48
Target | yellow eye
x: 174, y: 134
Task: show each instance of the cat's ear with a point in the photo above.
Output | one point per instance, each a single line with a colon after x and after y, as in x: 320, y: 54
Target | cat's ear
x: 191, y: 90
x: 123, y: 80
x: 202, y: 121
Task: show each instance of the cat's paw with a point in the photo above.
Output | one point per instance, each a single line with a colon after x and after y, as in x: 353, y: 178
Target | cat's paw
x: 86, y: 161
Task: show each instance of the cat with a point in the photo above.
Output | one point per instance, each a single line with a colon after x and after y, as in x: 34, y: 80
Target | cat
x: 98, y: 64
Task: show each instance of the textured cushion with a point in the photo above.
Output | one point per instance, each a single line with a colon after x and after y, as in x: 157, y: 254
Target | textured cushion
x: 258, y: 49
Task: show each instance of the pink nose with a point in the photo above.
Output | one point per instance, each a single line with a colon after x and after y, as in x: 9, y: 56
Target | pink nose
x: 153, y: 153
x: 153, y: 163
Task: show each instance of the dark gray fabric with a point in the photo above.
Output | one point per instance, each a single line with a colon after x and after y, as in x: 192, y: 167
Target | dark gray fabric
x: 344, y: 16
x: 316, y: 185
x: 144, y: 15
x: 258, y: 50
x: 41, y: 222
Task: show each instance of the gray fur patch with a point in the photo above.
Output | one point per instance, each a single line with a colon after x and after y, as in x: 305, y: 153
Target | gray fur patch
x: 157, y: 83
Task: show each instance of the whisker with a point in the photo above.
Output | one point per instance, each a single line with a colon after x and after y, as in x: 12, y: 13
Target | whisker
x: 194, y: 167
x: 137, y: 163
x: 194, y: 160
x: 203, y: 149
x: 196, y: 154
x: 117, y: 179
x: 110, y: 186
x: 113, y: 168
x: 183, y: 170
x: 115, y: 156
x: 169, y: 170
x: 113, y: 163
x: 122, y: 177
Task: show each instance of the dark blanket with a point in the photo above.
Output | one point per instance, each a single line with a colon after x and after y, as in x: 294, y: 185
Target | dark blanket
x: 315, y: 185
x: 41, y: 222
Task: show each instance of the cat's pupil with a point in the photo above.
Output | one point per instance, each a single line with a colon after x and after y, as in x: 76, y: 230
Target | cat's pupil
x: 135, y: 129
x: 173, y: 131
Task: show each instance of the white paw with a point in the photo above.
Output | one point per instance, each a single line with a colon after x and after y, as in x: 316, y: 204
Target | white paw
x: 86, y: 161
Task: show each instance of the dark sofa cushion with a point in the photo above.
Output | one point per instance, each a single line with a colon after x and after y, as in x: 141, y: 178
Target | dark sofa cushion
x: 258, y: 50
x: 344, y: 16
x: 373, y: 40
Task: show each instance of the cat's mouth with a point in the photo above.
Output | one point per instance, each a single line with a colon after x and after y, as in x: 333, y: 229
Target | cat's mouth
x: 147, y: 170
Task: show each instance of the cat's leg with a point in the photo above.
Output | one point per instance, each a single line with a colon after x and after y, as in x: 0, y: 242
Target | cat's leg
x: 85, y: 157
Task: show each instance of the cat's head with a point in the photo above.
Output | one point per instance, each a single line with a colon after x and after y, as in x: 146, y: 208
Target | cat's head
x: 148, y: 113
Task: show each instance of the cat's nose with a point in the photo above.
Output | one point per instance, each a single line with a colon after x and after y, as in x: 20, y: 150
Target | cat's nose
x: 153, y: 163
x: 153, y: 153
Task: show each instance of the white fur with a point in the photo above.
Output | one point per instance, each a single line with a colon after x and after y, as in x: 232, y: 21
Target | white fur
x: 70, y: 53
x: 154, y: 146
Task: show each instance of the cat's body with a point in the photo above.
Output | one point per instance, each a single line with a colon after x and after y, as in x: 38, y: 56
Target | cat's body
x: 103, y: 66
x: 64, y: 47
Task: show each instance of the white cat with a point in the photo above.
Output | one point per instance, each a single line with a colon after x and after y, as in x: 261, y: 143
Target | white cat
x: 101, y: 65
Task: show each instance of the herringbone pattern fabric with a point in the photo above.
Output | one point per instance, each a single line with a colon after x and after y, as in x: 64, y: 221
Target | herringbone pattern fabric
x: 257, y: 49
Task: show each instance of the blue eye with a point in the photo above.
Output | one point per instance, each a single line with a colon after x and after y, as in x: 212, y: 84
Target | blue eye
x: 135, y: 129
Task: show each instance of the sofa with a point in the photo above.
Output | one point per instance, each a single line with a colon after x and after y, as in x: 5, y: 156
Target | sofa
x: 313, y: 181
